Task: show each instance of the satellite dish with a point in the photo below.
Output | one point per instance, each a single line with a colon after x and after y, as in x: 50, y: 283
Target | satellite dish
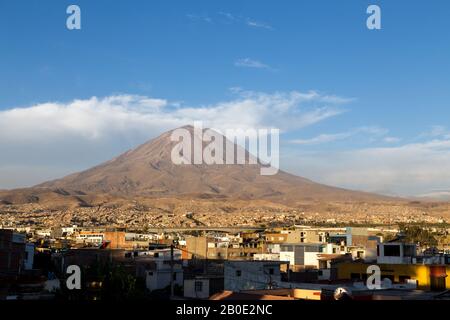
x: 342, y: 294
x: 386, y: 284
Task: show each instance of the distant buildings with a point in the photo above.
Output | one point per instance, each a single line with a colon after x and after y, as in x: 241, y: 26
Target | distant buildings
x: 299, y: 262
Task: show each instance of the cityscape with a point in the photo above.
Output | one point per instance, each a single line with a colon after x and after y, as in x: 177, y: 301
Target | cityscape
x: 224, y: 158
x: 216, y: 245
x: 281, y: 263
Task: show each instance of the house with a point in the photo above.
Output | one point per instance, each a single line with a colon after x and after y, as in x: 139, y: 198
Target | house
x: 90, y: 238
x: 426, y: 277
x: 301, y: 255
x: 155, y: 267
x: 252, y: 296
x: 267, y: 256
x: 202, y: 287
x: 396, y: 253
x: 306, y: 236
x: 16, y: 254
x: 225, y: 248
x: 276, y: 237
x: 251, y: 275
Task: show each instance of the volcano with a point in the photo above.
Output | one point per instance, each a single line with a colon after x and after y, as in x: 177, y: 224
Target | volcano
x: 148, y: 171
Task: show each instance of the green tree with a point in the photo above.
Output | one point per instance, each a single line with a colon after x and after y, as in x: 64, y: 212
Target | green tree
x: 419, y: 235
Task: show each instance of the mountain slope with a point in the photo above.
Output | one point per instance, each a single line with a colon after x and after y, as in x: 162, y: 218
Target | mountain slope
x: 148, y: 171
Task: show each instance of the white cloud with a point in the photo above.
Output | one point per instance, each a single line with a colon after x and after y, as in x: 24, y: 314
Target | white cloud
x: 409, y: 169
x: 199, y: 17
x: 82, y: 133
x: 230, y: 18
x: 258, y: 24
x: 250, y: 63
x: 372, y: 131
x: 49, y: 140
x: 323, y: 138
x: 392, y: 139
x: 436, y: 131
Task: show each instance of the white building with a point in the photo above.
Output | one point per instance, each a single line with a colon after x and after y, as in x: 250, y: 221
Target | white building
x: 90, y: 238
x: 202, y: 287
x: 396, y: 253
x: 68, y: 231
x: 302, y: 254
x: 266, y: 257
x: 155, y: 267
x: 251, y: 275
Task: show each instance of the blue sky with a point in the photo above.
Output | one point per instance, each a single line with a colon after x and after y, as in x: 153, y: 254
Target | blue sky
x: 390, y: 87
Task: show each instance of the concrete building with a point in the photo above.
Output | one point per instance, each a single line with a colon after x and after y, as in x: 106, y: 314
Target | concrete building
x: 115, y: 240
x: 155, y: 268
x: 306, y: 236
x: 396, y: 253
x: 92, y: 238
x: 251, y: 275
x: 362, y: 238
x: 15, y: 254
x: 426, y: 277
x: 276, y: 237
x: 203, y: 287
x: 225, y: 248
x: 267, y: 257
x: 301, y: 255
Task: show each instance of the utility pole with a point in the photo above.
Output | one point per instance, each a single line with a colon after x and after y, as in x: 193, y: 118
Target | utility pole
x: 171, y: 271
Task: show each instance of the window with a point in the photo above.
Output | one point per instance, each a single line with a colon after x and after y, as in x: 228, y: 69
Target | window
x: 198, y: 286
x: 355, y: 276
x: 156, y: 254
x: 238, y: 273
x: 271, y: 271
x: 174, y: 276
x: 392, y: 250
x: 409, y: 251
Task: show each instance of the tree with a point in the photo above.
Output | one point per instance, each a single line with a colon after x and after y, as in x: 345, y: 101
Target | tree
x: 419, y: 235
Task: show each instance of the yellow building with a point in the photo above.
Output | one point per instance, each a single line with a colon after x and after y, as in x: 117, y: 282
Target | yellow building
x: 428, y: 277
